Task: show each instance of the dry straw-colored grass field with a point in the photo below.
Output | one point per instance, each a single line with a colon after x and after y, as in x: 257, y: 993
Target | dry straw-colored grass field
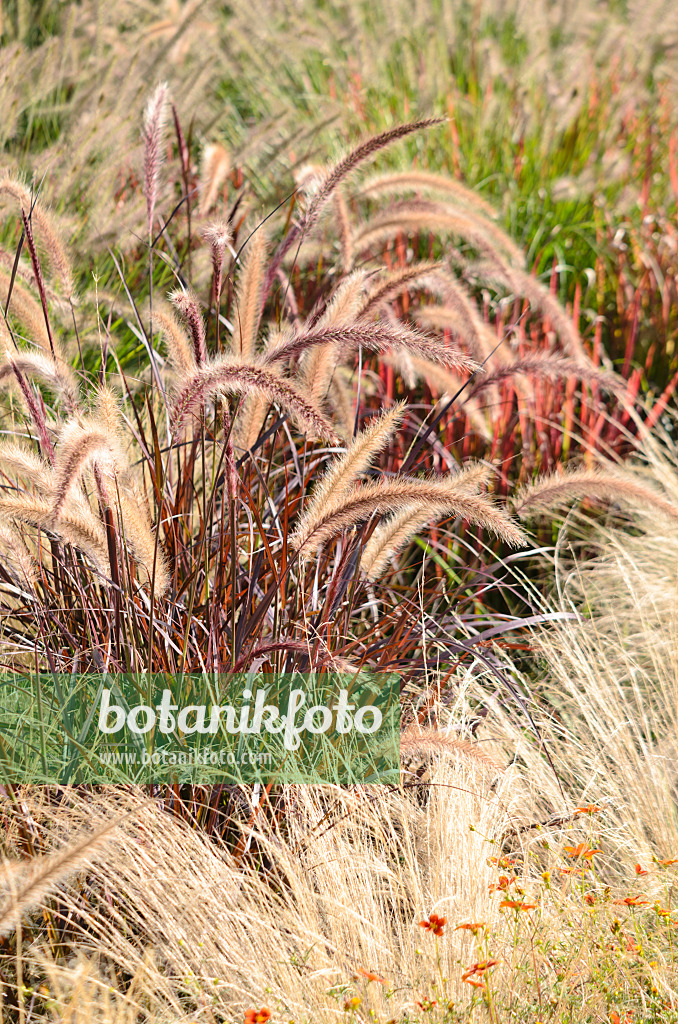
x: 342, y: 338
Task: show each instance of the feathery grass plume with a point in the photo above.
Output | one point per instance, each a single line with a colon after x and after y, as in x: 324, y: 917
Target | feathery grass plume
x: 552, y: 367
x: 428, y: 742
x: 357, y: 156
x: 345, y: 304
x: 75, y: 525
x: 343, y: 471
x: 34, y: 410
x: 345, y: 229
x: 323, y: 190
x: 27, y: 465
x: 375, y: 337
x: 179, y: 349
x: 253, y: 408
x: 539, y: 297
x: 308, y: 179
x: 48, y: 234
x: 219, y: 237
x: 138, y: 535
x: 392, y: 535
x: 25, y: 310
x: 418, y: 215
x: 423, y: 181
x: 393, y: 283
x: 561, y: 489
x: 25, y: 275
x: 42, y: 874
x: 225, y: 375
x: 55, y: 373
x: 189, y: 307
x: 319, y: 363
x: 250, y: 421
x: 39, y: 280
x: 247, y: 306
x: 89, y: 441
x: 214, y: 168
x: 441, y: 496
x: 340, y: 397
x: 152, y: 133
x: 17, y: 555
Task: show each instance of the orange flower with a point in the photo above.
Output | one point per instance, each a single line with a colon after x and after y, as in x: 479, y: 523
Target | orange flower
x: 478, y: 968
x: 427, y: 1004
x: 632, y: 901
x: 517, y: 905
x: 370, y: 976
x: 581, y: 850
x: 587, y: 809
x: 434, y: 924
x: 471, y: 926
x: 257, y: 1016
x: 352, y: 1004
x: 668, y: 863
x: 590, y: 899
x: 575, y: 871
x: 639, y: 870
x: 503, y: 884
x: 472, y: 981
x: 502, y: 862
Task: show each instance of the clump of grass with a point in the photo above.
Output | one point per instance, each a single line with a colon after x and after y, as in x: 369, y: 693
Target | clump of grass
x: 178, y: 492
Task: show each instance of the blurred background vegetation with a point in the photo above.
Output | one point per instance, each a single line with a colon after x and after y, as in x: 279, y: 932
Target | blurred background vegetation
x: 563, y: 115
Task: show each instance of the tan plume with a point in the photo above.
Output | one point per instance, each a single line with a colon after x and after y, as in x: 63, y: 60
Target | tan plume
x: 423, y: 181
x: 429, y: 742
x: 179, y: 348
x: 155, y: 119
x: 443, y: 496
x: 189, y: 307
x: 48, y: 234
x: 395, y: 282
x: 224, y: 375
x: 214, y: 168
x: 76, y: 525
x: 419, y: 215
x: 248, y: 298
x: 561, y: 489
x: 56, y: 374
x: 392, y: 535
x: 361, y: 452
